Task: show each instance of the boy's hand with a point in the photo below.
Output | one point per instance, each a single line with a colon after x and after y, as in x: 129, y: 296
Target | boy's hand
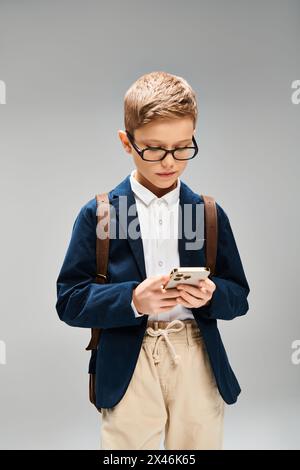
x: 193, y: 297
x: 150, y: 298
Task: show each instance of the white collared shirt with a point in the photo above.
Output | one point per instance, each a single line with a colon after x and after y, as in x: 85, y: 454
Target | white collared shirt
x: 158, y: 219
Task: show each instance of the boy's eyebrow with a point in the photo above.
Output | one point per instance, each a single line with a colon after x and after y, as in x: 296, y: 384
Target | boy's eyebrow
x: 163, y: 143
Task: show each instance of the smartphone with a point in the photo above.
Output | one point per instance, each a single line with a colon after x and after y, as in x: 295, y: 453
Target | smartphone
x: 186, y: 276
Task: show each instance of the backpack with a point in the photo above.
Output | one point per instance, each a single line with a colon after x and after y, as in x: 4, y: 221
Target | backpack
x: 102, y: 247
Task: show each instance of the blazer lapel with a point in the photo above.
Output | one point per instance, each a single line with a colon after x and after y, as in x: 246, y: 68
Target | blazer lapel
x: 126, y: 218
x: 190, y: 218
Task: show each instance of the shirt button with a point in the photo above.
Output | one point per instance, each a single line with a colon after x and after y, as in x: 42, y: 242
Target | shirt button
x: 160, y: 221
x: 160, y: 263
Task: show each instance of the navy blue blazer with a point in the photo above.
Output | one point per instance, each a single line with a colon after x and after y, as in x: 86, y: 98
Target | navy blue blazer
x: 81, y: 302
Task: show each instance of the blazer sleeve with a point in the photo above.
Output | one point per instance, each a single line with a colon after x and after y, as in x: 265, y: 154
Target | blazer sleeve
x: 229, y: 299
x: 81, y: 301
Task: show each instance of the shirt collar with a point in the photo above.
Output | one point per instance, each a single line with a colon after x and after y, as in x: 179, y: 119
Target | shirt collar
x: 147, y: 196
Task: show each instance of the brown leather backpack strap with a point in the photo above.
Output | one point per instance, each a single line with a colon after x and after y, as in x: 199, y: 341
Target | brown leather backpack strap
x: 211, y: 231
x: 102, y: 253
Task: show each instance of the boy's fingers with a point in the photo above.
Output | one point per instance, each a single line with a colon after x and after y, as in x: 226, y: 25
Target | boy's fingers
x: 170, y: 293
x: 162, y: 280
x: 169, y: 305
x: 162, y: 289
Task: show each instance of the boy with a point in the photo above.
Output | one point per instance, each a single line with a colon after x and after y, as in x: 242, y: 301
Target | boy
x: 161, y: 364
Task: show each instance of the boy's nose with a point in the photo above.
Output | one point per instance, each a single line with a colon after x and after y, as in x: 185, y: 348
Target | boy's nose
x: 169, y: 162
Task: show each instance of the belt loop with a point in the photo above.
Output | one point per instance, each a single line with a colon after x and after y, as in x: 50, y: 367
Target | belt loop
x: 188, y: 333
x: 156, y: 325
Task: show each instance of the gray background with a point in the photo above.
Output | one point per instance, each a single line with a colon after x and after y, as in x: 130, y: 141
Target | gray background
x: 67, y: 65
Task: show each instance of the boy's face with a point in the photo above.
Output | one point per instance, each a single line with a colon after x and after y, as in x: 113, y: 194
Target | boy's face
x: 166, y: 133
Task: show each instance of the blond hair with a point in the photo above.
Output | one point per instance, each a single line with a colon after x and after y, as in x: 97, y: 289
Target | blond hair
x: 158, y: 95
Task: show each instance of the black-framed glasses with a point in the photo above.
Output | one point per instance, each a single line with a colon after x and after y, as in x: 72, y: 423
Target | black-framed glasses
x: 155, y: 154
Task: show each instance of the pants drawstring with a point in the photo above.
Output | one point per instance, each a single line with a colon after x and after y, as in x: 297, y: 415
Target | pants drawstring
x: 163, y: 333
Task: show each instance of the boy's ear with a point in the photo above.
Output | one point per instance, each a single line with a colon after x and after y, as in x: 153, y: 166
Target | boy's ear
x: 124, y: 140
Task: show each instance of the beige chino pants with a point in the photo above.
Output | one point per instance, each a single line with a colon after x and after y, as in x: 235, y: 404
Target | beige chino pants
x: 172, y: 391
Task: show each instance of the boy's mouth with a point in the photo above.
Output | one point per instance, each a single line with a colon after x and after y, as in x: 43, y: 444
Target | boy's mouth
x: 166, y: 175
